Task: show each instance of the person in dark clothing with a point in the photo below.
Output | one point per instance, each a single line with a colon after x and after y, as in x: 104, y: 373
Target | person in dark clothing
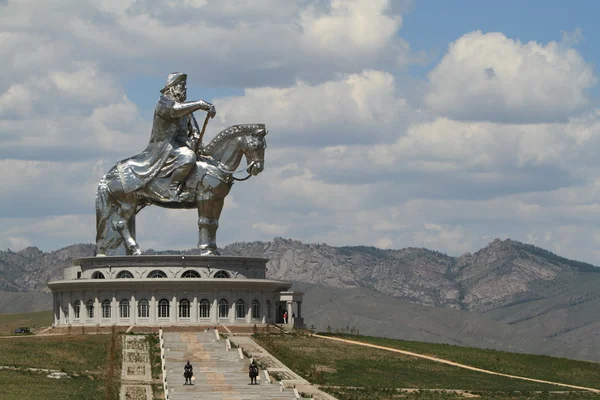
x: 188, y: 372
x: 253, y: 372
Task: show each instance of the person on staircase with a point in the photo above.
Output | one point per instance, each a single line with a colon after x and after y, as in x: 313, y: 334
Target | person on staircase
x: 188, y: 373
x: 253, y: 372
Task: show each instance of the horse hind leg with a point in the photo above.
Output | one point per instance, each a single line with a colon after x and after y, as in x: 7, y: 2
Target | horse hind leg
x: 126, y: 221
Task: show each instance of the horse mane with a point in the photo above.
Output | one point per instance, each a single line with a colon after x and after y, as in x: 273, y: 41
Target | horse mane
x: 233, y: 132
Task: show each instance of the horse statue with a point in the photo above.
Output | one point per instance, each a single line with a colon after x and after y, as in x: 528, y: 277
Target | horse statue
x: 205, y: 189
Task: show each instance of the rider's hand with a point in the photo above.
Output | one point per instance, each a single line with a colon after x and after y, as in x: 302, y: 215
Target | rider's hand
x: 212, y: 111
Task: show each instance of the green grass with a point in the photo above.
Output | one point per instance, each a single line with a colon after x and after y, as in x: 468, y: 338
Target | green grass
x: 19, y: 385
x: 84, y: 357
x: 332, y: 363
x: 383, y: 394
x: 71, y: 354
x: 562, y: 370
x: 9, y: 322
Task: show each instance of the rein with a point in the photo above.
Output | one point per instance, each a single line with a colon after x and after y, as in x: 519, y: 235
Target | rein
x: 226, y: 171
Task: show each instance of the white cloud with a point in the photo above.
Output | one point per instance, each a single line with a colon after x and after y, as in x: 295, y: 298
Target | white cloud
x: 361, y: 107
x: 494, y: 78
x: 500, y: 140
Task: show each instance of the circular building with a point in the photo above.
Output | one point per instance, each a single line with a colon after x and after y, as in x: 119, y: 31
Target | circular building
x: 172, y: 291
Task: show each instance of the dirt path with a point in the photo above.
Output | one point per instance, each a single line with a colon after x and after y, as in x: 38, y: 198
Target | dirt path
x: 455, y: 364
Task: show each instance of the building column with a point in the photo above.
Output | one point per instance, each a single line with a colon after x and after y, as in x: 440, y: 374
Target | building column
x: 133, y: 308
x: 56, y: 307
x: 289, y: 312
x: 232, y: 308
x: 97, y: 310
x: 214, y: 308
x: 174, y: 308
x: 114, y: 308
x: 70, y: 310
x: 153, y: 308
x: 249, y: 300
x: 194, y: 311
x: 263, y: 307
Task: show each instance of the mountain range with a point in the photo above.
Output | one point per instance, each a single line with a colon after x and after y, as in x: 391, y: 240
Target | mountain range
x: 508, y: 296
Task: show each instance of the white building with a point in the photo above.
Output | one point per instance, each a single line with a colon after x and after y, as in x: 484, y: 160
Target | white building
x: 172, y: 290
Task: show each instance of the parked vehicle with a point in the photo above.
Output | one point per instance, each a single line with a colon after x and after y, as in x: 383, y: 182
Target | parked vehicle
x: 22, y: 330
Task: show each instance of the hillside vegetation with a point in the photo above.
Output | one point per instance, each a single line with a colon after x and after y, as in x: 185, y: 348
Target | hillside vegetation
x: 356, y: 372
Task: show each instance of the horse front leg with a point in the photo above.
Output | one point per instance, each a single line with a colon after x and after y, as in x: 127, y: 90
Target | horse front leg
x: 209, y: 211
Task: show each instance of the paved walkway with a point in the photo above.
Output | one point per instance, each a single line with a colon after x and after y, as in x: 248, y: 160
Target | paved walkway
x: 289, y: 378
x: 136, y: 374
x: 455, y: 364
x: 220, y: 374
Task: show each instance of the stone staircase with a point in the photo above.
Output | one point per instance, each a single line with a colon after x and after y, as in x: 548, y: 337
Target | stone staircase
x: 220, y: 374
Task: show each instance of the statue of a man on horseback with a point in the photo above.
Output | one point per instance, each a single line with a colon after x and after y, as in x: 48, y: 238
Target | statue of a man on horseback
x: 176, y: 171
x: 175, y: 137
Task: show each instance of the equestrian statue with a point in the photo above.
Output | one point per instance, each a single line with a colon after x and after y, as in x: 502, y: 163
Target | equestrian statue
x: 176, y: 170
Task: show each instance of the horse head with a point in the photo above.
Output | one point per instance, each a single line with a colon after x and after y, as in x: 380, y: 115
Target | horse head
x: 231, y: 144
x: 253, y: 146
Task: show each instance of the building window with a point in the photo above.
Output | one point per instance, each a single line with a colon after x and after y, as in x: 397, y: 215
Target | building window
x: 163, y: 308
x: 76, y: 309
x: 255, y: 309
x: 97, y: 275
x: 184, y: 308
x: 78, y: 274
x: 157, y: 274
x: 90, y: 309
x: 124, y: 275
x: 143, y: 309
x: 124, y: 308
x: 240, y: 310
x: 268, y: 304
x: 223, y: 309
x: 204, y: 308
x: 190, y: 274
x: 221, y: 274
x: 106, y: 309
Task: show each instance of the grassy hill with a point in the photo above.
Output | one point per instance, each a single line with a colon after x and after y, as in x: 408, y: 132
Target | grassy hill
x: 352, y: 372
x: 34, y: 320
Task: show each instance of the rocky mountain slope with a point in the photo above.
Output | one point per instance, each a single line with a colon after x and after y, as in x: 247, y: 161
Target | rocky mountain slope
x: 503, y: 273
x: 508, y: 295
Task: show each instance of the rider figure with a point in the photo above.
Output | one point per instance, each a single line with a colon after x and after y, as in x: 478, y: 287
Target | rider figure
x: 170, y: 151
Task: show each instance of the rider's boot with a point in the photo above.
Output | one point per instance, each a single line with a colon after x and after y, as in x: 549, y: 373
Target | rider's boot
x: 177, y: 180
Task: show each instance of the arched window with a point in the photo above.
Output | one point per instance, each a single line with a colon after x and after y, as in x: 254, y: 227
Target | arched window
x: 223, y: 309
x: 106, y: 309
x: 240, y: 309
x: 190, y: 273
x: 268, y: 306
x: 124, y: 275
x: 157, y: 274
x: 76, y: 309
x: 90, y: 308
x: 124, y: 308
x: 184, y: 308
x: 204, y: 308
x: 221, y: 274
x: 97, y: 275
x: 163, y: 308
x: 255, y: 309
x: 143, y: 309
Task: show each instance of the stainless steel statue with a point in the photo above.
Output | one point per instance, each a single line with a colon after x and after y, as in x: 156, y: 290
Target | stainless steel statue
x: 176, y: 171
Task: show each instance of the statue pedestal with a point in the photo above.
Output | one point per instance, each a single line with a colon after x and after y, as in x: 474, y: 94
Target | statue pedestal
x: 167, y: 290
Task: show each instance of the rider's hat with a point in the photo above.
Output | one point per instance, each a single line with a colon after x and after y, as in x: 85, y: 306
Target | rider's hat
x: 173, y: 80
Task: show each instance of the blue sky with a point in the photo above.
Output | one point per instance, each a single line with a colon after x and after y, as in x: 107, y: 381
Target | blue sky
x: 392, y: 123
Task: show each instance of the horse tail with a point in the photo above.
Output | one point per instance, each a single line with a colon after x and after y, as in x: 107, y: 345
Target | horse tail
x: 106, y: 210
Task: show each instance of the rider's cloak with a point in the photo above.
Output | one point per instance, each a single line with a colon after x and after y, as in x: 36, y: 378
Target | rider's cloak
x: 170, y: 136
